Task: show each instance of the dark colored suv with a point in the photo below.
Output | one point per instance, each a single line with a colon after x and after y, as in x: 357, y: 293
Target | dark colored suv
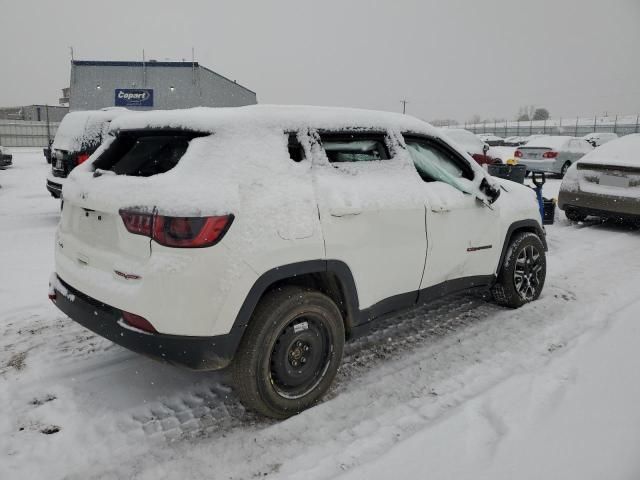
x: 78, y: 136
x: 6, y: 159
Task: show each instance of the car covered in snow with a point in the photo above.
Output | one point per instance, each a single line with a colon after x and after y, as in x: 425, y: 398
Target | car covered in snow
x: 604, y: 183
x: 491, y: 139
x: 6, y: 159
x: 479, y: 150
x: 79, y: 135
x: 263, y: 237
x: 552, y: 153
x: 600, y: 138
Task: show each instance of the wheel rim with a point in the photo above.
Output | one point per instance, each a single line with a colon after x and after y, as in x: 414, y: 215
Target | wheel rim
x: 526, y: 276
x: 300, y: 356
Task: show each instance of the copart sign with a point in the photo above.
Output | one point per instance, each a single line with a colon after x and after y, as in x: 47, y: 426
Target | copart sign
x: 134, y: 97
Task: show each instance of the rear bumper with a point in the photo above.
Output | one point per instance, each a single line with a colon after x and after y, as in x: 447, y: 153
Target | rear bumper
x: 547, y: 166
x: 599, y: 205
x: 197, y: 353
x: 55, y: 189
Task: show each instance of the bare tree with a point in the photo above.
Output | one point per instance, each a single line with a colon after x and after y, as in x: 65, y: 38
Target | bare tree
x: 541, y: 114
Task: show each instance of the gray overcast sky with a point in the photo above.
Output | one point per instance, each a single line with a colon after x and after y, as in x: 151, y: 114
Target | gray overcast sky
x: 450, y: 59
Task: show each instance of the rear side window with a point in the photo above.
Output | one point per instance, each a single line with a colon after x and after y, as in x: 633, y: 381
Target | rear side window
x: 354, y: 147
x: 143, y: 154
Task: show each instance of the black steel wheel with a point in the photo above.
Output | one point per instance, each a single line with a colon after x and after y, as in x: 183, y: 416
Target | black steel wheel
x: 290, y: 352
x: 523, y: 271
x: 300, y: 357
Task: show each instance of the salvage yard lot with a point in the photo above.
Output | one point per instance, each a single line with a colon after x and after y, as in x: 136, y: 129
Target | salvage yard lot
x: 464, y: 388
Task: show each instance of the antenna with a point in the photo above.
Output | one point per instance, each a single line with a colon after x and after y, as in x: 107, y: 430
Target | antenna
x: 71, y: 52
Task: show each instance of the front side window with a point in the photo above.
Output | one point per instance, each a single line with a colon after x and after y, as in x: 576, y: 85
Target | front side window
x: 354, y: 148
x: 434, y: 164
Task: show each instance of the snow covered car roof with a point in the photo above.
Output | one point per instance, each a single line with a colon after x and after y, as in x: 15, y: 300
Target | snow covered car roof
x: 624, y: 151
x: 550, y: 141
x: 295, y: 117
x: 84, y: 127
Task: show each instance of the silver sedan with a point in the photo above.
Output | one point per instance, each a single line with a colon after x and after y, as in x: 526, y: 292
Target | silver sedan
x: 552, y: 154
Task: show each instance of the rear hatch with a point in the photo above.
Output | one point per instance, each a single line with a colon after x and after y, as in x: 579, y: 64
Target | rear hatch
x: 92, y: 232
x: 608, y: 179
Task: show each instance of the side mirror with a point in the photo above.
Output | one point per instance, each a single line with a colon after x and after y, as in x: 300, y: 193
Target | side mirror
x: 490, y: 191
x: 485, y: 148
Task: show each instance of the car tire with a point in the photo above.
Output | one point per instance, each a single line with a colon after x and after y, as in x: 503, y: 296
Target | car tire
x: 522, y: 273
x: 290, y: 352
x: 575, y: 215
x: 565, y: 167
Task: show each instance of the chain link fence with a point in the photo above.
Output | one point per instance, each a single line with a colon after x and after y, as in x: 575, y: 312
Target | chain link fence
x: 577, y: 127
x: 21, y: 133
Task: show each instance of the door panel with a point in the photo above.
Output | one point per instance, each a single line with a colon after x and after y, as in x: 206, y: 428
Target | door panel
x: 373, y: 219
x: 463, y: 236
x: 462, y: 231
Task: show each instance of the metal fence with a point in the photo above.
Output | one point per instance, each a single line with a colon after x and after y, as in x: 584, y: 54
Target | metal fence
x: 577, y: 127
x: 21, y: 133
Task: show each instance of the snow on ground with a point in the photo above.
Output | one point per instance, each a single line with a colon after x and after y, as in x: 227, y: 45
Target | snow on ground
x: 458, y: 389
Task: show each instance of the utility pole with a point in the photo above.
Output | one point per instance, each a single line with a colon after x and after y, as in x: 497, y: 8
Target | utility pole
x: 404, y: 105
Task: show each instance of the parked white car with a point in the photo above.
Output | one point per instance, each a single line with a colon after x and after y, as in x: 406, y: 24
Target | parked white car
x: 552, y: 154
x: 79, y: 135
x: 263, y: 237
x: 600, y: 138
x: 491, y: 139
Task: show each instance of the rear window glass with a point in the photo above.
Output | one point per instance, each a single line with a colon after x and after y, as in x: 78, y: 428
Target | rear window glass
x: 143, y: 154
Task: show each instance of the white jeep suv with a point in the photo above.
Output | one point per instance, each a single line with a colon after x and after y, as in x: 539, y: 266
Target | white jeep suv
x: 263, y: 237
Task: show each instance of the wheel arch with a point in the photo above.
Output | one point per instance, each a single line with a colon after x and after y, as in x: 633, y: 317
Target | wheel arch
x: 529, y: 225
x: 331, y: 277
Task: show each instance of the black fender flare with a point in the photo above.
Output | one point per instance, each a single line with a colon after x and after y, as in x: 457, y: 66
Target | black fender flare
x: 528, y: 225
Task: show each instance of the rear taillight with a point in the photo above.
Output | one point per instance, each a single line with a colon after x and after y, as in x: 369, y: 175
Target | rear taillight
x: 138, y: 223
x: 81, y: 158
x: 179, y: 232
x: 549, y: 154
x: 138, y: 322
x: 518, y: 154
